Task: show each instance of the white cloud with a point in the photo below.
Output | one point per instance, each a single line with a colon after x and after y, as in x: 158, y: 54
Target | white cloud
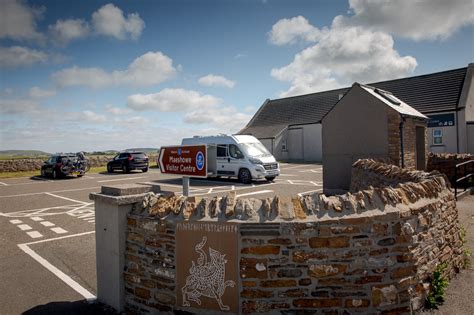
x: 93, y: 117
x: 117, y: 111
x: 37, y: 93
x: 149, y: 69
x: 133, y: 121
x: 17, y: 56
x: 216, y: 80
x: 171, y: 100
x: 342, y: 56
x: 19, y: 20
x: 417, y: 20
x: 66, y: 30
x: 226, y: 118
x: 110, y: 21
x: 288, y: 31
x: 18, y: 106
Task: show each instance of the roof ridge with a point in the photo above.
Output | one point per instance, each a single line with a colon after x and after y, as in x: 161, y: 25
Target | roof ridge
x: 370, y: 84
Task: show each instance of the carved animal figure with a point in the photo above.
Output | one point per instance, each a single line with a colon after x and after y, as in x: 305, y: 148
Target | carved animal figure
x: 206, y: 278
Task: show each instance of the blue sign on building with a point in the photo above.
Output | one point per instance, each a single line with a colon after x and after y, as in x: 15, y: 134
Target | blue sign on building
x: 441, y: 120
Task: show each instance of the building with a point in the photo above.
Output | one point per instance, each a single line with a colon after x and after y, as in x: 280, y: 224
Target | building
x: 370, y: 123
x: 291, y: 127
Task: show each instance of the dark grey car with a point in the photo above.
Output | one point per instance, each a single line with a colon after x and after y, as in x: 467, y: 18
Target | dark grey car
x: 128, y: 161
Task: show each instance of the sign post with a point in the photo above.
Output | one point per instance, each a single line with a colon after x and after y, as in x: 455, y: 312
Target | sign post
x: 185, y: 160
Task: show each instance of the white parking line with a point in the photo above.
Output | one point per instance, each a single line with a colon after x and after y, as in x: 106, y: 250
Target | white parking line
x: 118, y: 179
x: 296, y: 166
x: 34, y: 234
x: 58, y: 273
x: 16, y: 221
x: 309, y: 192
x: 1, y: 183
x: 36, y: 219
x: 65, y: 198
x: 24, y: 227
x: 58, y: 230
x: 47, y: 223
x: 57, y: 191
x: 255, y: 193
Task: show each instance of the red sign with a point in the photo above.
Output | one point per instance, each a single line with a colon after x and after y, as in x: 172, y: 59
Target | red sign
x: 188, y: 160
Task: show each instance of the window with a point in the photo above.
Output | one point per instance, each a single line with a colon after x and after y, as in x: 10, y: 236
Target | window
x: 388, y: 96
x: 283, y: 145
x: 235, y: 152
x: 221, y: 150
x: 437, y: 136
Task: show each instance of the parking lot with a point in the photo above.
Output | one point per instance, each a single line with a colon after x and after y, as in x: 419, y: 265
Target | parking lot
x: 47, y: 234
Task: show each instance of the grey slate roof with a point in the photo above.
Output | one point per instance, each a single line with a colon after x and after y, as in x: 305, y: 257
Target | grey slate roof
x: 429, y: 93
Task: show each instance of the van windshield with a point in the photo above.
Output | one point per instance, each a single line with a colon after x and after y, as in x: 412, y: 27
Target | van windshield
x: 254, y: 149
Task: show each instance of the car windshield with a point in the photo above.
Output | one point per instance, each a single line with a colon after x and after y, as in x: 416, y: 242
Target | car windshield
x: 254, y: 149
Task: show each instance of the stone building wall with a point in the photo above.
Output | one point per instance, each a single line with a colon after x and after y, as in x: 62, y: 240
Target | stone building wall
x: 409, y: 139
x: 371, y: 251
x: 446, y: 163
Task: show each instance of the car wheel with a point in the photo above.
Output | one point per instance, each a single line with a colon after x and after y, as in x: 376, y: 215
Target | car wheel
x: 245, y: 176
x: 125, y: 169
x: 55, y: 174
x: 109, y: 169
x: 145, y: 170
x: 270, y: 178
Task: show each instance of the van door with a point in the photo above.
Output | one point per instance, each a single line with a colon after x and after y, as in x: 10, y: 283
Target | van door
x: 236, y: 157
x: 223, y: 168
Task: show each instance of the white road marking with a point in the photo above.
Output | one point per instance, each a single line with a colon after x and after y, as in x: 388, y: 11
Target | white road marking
x: 58, y: 273
x: 65, y: 198
x: 59, y: 238
x: 255, y: 193
x: 34, y: 234
x: 118, y: 179
x: 296, y: 166
x: 309, y: 192
x: 58, y: 230
x: 288, y: 175
x: 36, y: 212
x: 1, y: 183
x: 16, y: 221
x: 47, y: 223
x: 236, y: 189
x: 36, y: 219
x: 24, y: 227
x: 57, y: 191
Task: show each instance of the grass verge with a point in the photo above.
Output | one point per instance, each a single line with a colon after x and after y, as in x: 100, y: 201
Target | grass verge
x: 37, y: 173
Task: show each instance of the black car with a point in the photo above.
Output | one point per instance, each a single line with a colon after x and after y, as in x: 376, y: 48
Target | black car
x: 61, y: 165
x: 127, y: 161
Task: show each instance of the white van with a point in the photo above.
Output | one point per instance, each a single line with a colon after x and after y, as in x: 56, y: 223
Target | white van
x: 238, y: 156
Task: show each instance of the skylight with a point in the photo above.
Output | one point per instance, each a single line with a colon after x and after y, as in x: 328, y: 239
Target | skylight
x: 389, y: 97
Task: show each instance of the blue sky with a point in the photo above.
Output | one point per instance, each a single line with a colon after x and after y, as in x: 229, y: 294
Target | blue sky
x: 99, y: 75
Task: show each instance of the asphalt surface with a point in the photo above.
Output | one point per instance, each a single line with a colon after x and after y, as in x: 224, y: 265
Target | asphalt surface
x: 47, y: 257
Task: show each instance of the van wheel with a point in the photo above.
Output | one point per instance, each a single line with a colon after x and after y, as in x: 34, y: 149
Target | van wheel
x: 270, y: 178
x: 245, y: 176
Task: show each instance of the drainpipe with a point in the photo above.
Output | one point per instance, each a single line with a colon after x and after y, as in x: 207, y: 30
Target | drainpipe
x: 402, y: 150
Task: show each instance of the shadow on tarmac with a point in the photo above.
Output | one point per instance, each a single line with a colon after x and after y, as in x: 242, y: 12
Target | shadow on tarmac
x: 71, y: 308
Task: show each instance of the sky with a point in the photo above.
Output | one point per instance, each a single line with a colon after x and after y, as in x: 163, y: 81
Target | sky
x: 110, y: 75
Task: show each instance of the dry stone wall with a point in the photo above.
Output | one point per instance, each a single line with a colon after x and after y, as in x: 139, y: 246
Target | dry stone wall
x: 17, y: 165
x: 370, y: 251
x: 446, y: 163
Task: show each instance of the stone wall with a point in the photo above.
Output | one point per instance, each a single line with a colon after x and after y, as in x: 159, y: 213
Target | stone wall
x: 409, y: 139
x: 17, y: 165
x: 371, y: 251
x: 371, y: 173
x: 446, y: 163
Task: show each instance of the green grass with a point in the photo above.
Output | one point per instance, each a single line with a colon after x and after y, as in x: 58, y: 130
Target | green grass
x: 20, y: 157
x: 37, y: 173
